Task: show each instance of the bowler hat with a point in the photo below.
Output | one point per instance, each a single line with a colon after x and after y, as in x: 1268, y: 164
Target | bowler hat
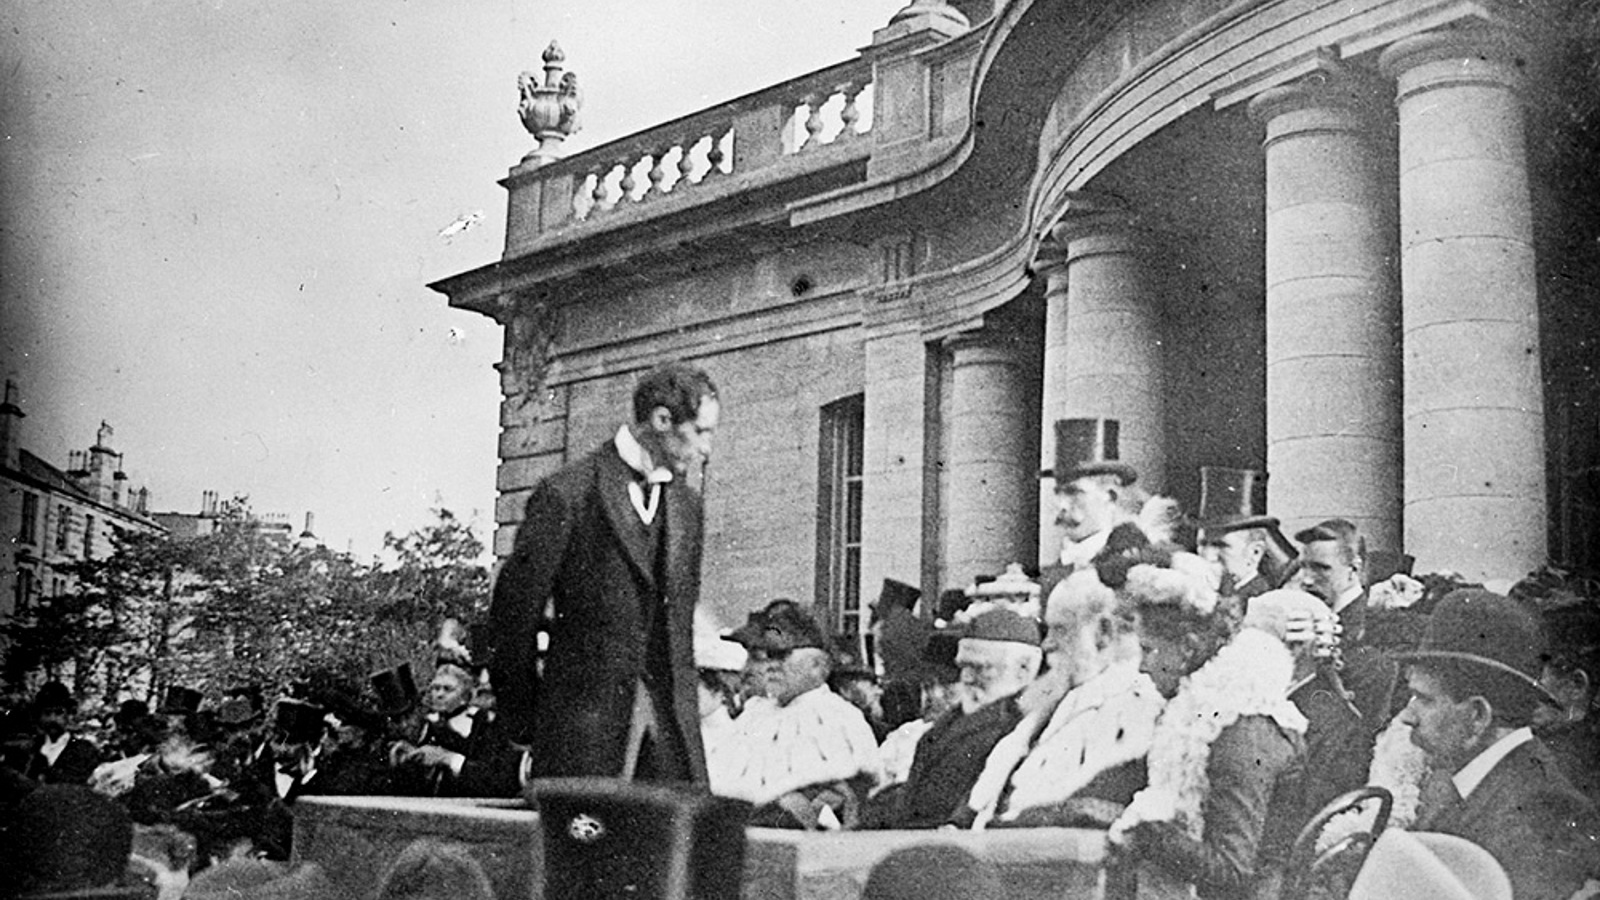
x: 396, y: 689
x: 130, y: 713
x: 180, y: 701
x: 297, y: 721
x: 1086, y: 447
x: 1491, y: 639
x: 53, y: 695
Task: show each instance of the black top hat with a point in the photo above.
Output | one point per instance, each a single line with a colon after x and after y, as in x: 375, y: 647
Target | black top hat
x: 1086, y: 447
x: 898, y: 594
x: 180, y: 701
x: 298, y: 722
x: 1493, y: 640
x: 352, y: 711
x: 1232, y: 500
x: 396, y: 690
x: 53, y: 695
x: 130, y: 713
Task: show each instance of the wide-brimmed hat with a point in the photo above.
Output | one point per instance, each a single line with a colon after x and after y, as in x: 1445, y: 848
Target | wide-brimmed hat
x: 396, y: 690
x: 787, y: 628
x: 1429, y: 866
x: 1086, y: 447
x: 180, y: 701
x: 1491, y: 638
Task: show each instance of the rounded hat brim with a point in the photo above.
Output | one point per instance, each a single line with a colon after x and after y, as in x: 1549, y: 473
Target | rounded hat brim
x: 1524, y: 685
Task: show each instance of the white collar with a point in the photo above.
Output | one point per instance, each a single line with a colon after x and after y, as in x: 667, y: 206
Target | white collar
x: 633, y: 454
x: 1348, y: 597
x: 52, y: 749
x: 1472, y: 774
x: 1079, y: 553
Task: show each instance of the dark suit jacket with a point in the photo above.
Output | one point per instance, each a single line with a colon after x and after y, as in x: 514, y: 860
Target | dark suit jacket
x: 74, y: 766
x: 1338, y: 742
x: 949, y: 759
x: 582, y: 550
x: 1530, y: 819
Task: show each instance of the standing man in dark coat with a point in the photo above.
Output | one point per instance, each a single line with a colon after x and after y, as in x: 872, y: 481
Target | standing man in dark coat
x: 607, y: 563
x: 59, y: 756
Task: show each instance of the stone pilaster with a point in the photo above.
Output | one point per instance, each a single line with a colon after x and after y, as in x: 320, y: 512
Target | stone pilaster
x: 1475, y: 499
x: 991, y: 475
x: 1333, y: 333
x: 892, y: 520
x: 1102, y: 353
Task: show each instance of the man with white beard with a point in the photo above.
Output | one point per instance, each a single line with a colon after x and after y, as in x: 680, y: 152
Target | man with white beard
x: 1077, y: 757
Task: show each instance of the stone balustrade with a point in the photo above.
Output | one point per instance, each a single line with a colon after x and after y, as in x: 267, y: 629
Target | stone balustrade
x: 781, y: 126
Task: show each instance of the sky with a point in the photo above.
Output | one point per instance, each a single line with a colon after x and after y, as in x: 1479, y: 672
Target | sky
x: 218, y: 219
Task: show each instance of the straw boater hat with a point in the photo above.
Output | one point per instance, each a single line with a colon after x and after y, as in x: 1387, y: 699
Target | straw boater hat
x: 1493, y: 640
x: 1087, y: 447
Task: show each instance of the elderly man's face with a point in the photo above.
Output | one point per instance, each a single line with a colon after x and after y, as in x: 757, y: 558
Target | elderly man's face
x: 1085, y: 507
x: 786, y: 676
x: 1069, y: 643
x: 1449, y: 731
x: 990, y: 671
x: 1325, y: 572
x: 449, y: 691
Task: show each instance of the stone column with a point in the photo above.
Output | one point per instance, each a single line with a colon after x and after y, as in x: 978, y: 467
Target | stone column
x: 1333, y: 332
x: 1102, y: 348
x: 991, y: 479
x: 1474, y: 402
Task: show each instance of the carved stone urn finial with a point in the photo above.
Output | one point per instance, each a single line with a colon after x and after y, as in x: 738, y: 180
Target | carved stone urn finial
x: 939, y: 9
x: 549, y: 111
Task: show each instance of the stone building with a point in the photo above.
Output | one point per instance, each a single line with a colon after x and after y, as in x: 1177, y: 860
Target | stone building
x: 1348, y: 242
x: 53, y: 517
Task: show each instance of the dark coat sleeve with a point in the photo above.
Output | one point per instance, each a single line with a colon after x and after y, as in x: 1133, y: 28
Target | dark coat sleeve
x: 1252, y: 803
x: 521, y: 592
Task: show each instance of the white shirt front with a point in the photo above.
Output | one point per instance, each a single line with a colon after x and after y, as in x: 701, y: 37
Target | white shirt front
x: 1078, y: 554
x: 1348, y: 597
x: 638, y: 460
x: 1473, y: 773
x: 51, y: 750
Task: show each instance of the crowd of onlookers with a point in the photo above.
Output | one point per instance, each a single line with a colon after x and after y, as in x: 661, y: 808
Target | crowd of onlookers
x: 1198, y: 703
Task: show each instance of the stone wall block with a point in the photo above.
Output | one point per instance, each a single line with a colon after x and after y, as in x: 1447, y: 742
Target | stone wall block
x: 1326, y: 240
x: 1437, y: 468
x: 1355, y: 317
x: 1482, y: 538
x: 1304, y: 494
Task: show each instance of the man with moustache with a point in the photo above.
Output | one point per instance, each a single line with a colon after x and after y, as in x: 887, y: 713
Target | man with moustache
x: 1093, y: 494
x: 1474, y: 691
x: 607, y: 564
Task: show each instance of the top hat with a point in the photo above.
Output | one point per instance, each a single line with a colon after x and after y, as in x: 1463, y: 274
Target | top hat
x: 351, y: 711
x: 298, y: 722
x: 180, y: 701
x: 130, y: 713
x: 396, y: 689
x: 1086, y: 447
x: 1232, y: 500
x: 1493, y: 640
x: 1013, y: 583
x: 1381, y: 565
x: 898, y: 594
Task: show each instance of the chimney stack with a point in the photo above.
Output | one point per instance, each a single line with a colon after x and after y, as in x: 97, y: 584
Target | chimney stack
x: 11, y: 416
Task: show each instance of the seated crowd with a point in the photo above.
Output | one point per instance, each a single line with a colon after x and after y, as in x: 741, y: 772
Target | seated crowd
x: 1197, y: 700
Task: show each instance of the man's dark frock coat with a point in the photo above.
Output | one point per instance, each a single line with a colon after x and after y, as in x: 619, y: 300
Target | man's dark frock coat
x: 622, y: 597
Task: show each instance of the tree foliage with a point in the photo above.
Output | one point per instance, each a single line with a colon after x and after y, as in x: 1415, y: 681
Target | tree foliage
x: 237, y: 606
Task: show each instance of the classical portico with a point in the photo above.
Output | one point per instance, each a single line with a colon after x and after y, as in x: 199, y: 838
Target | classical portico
x: 1303, y: 236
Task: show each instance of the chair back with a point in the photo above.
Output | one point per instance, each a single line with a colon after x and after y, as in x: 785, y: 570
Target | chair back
x: 1344, y: 856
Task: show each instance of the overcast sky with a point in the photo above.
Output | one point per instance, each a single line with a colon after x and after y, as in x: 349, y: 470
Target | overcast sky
x: 219, y: 218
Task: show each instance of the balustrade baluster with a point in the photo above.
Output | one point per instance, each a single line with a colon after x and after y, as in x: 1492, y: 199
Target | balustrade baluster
x: 686, y: 163
x: 814, y: 123
x: 600, y: 191
x: 658, y: 172
x: 851, y: 114
x: 628, y: 183
x: 714, y: 155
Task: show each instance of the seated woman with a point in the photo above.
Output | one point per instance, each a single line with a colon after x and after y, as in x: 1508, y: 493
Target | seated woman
x: 1224, y: 800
